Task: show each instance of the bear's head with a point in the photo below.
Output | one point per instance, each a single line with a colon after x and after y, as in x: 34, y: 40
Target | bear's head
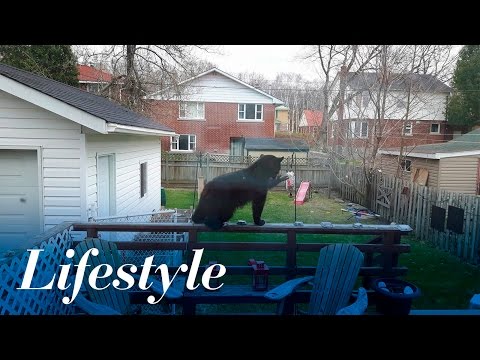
x: 267, y: 166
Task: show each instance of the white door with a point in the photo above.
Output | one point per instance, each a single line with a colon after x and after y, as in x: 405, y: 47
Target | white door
x: 106, y: 191
x: 19, y: 199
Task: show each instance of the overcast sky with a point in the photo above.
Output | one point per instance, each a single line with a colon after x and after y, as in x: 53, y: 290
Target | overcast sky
x: 268, y: 60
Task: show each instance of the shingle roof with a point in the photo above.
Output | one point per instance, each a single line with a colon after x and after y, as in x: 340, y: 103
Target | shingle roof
x: 467, y: 142
x: 93, y: 104
x: 90, y: 73
x: 313, y: 117
x: 285, y: 144
x: 420, y: 82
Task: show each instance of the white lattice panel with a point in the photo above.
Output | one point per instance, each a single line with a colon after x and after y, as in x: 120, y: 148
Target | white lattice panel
x: 35, y: 302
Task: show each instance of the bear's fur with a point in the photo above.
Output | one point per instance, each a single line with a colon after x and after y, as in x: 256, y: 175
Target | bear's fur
x: 226, y: 193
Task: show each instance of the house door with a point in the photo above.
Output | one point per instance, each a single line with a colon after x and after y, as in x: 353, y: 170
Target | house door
x: 19, y: 198
x: 106, y: 186
x: 106, y: 191
x: 237, y: 146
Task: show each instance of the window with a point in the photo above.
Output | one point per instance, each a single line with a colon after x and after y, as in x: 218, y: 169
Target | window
x: 406, y: 165
x: 143, y: 179
x: 183, y: 143
x: 359, y: 129
x: 407, y: 129
x: 250, y: 111
x: 192, y: 110
x: 365, y: 98
x: 435, y: 128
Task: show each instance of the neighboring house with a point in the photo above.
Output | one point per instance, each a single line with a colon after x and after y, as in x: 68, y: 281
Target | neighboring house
x: 92, y: 79
x: 413, y: 112
x: 95, y: 80
x: 452, y: 166
x: 213, y: 113
x: 67, y: 155
x: 281, y: 118
x: 278, y: 147
x: 310, y: 122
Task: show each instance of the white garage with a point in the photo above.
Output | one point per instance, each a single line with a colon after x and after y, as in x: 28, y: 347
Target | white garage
x: 67, y: 155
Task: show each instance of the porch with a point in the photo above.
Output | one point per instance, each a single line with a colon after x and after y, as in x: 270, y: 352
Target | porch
x: 382, y: 250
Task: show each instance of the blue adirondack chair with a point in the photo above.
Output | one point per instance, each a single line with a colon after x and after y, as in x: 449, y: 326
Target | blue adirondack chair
x: 110, y: 301
x: 333, y: 283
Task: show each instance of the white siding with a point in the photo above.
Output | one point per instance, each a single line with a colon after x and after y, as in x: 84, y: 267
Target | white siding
x: 62, y: 149
x: 459, y: 174
x: 129, y: 152
x: 215, y: 87
x: 423, y: 106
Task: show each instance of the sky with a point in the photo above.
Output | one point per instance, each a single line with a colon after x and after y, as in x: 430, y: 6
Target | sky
x: 268, y: 60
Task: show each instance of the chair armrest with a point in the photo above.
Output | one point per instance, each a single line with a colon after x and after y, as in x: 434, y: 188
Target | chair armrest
x: 157, y: 288
x: 92, y: 308
x: 358, y: 307
x: 287, y: 288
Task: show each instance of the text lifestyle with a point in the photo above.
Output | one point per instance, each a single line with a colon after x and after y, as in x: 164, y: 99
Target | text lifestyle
x: 129, y: 279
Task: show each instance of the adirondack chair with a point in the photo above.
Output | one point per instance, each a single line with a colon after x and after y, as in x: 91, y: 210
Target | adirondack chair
x: 110, y: 301
x: 333, y: 283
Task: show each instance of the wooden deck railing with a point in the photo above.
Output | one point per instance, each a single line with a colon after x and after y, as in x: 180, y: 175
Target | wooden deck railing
x: 386, y: 243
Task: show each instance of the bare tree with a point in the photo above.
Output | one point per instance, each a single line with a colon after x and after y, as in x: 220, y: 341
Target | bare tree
x: 141, y: 69
x: 376, y: 106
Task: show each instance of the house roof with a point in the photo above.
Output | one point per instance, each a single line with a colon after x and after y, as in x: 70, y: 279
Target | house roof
x: 88, y: 73
x: 274, y: 99
x: 92, y: 104
x: 313, y: 117
x: 467, y: 144
x: 420, y: 82
x: 285, y: 144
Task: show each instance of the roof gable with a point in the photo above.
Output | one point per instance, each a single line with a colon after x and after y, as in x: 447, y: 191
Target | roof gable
x: 94, y: 105
x: 204, y: 81
x: 312, y: 117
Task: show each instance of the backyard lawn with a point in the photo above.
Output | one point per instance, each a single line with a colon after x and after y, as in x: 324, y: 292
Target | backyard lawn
x: 445, y: 281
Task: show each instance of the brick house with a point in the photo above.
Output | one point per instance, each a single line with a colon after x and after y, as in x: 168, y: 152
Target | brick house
x: 94, y: 80
x: 413, y: 111
x: 214, y: 112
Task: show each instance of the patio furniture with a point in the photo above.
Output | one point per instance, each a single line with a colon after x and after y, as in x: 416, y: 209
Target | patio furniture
x: 337, y: 271
x: 110, y: 301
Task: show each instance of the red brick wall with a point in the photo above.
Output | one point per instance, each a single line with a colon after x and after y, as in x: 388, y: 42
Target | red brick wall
x: 393, y: 134
x: 220, y: 124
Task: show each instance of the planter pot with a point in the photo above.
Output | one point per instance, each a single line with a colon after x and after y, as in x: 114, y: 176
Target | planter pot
x: 392, y: 298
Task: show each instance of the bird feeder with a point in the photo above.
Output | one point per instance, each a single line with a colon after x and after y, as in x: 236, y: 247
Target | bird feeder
x: 260, y: 275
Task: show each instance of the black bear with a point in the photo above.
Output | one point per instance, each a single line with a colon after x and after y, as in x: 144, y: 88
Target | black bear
x: 224, y: 194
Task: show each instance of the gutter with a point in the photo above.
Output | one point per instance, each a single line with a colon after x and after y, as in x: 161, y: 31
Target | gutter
x: 135, y: 130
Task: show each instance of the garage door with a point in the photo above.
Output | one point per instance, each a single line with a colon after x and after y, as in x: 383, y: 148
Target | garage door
x: 19, y: 198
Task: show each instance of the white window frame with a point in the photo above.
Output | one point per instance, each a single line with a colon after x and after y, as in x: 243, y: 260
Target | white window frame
x: 403, y: 164
x: 360, y: 132
x: 175, y: 142
x: 435, y: 132
x: 242, y: 111
x: 200, y: 110
x: 408, y: 126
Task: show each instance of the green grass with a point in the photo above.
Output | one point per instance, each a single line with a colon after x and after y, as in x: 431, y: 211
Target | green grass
x: 444, y: 280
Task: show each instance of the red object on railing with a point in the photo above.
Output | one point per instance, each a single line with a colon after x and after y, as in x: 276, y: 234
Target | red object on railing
x: 260, y: 275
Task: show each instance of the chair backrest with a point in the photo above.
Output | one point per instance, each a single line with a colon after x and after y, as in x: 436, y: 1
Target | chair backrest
x: 108, y: 254
x: 337, y: 270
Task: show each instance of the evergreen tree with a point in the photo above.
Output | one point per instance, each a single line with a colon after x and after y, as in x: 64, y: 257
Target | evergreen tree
x: 53, y: 61
x: 463, y: 108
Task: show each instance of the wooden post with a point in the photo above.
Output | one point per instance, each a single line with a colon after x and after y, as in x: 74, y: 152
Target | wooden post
x: 200, y: 184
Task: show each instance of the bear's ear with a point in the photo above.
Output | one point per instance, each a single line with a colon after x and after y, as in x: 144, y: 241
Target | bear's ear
x: 261, y: 155
x: 281, y: 159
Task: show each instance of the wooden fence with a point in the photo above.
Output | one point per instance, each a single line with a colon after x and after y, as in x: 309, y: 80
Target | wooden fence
x: 404, y: 202
x: 184, y: 169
